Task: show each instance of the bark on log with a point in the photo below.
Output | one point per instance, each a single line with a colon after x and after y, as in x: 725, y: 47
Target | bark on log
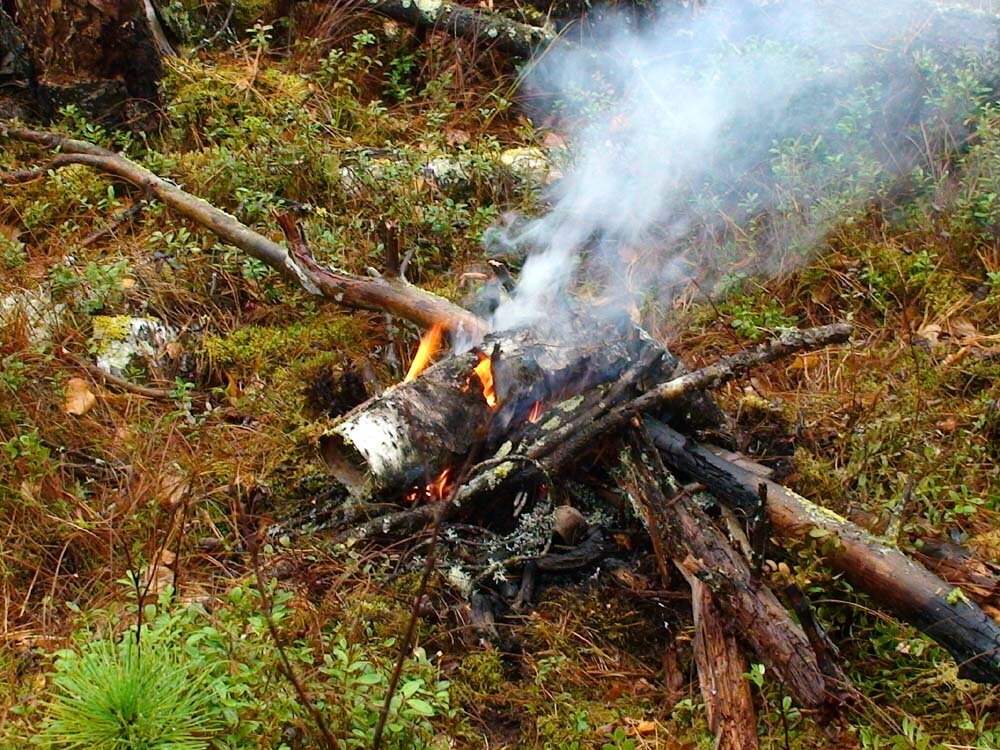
x: 721, y: 663
x: 893, y: 580
x: 383, y: 295
x: 686, y: 535
x: 980, y: 579
x: 519, y: 40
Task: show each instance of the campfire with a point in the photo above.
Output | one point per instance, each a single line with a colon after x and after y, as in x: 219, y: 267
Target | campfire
x: 493, y: 436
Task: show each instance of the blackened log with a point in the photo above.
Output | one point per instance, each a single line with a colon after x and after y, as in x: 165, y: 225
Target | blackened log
x: 893, y: 580
x: 978, y: 578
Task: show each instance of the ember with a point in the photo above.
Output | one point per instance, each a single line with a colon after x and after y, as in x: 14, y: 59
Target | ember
x: 435, y: 490
x: 430, y: 344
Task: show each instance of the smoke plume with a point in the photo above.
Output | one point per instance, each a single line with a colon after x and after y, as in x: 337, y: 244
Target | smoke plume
x: 745, y: 128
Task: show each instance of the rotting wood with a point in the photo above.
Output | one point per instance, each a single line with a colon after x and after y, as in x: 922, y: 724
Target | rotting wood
x: 729, y: 708
x: 687, y: 536
x: 378, y: 294
x: 893, y: 580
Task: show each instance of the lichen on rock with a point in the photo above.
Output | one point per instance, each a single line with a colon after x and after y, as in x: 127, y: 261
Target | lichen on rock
x: 119, y: 340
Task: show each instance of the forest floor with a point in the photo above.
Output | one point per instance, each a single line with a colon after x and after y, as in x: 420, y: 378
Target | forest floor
x: 115, y: 505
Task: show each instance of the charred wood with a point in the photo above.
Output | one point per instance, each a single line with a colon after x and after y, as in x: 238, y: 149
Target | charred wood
x: 978, y: 578
x: 411, y: 433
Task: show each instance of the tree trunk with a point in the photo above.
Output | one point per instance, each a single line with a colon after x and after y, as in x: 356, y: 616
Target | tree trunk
x: 99, y: 55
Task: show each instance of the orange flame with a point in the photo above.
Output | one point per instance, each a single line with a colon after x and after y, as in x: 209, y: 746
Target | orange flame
x: 429, y: 346
x: 536, y: 412
x: 484, y: 371
x: 440, y: 486
x: 436, y: 490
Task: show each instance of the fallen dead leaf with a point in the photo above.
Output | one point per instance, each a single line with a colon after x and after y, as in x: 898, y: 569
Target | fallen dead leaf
x: 948, y: 424
x: 804, y: 361
x: 553, y: 140
x: 645, y: 727
x: 930, y: 333
x: 79, y: 398
x: 963, y: 330
x: 173, y: 488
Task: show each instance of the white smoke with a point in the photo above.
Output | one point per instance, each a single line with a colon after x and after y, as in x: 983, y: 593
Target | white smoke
x: 668, y: 110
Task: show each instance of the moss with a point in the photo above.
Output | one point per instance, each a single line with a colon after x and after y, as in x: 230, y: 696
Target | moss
x: 481, y: 672
x: 263, y: 348
x: 111, y: 327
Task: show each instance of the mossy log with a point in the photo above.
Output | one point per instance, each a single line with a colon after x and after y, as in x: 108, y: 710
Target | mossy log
x: 519, y: 40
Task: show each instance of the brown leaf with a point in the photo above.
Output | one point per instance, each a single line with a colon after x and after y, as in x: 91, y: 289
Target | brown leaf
x: 948, y: 424
x: 645, y: 727
x: 173, y: 487
x: 963, y: 330
x: 79, y: 398
x: 553, y: 140
x: 930, y: 333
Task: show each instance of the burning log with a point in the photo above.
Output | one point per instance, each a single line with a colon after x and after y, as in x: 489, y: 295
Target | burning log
x: 472, y: 401
x: 892, y: 579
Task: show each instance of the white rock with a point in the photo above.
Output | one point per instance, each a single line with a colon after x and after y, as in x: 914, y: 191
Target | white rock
x: 36, y: 308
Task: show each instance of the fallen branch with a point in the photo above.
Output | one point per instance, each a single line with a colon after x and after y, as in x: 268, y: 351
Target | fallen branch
x: 382, y: 295
x: 871, y: 565
x: 519, y: 40
x: 688, y: 537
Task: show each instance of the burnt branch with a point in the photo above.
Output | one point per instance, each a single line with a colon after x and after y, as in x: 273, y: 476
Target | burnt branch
x: 687, y: 536
x: 383, y: 295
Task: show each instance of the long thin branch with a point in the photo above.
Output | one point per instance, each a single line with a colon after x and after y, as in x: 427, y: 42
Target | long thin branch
x: 561, y: 445
x: 393, y: 295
